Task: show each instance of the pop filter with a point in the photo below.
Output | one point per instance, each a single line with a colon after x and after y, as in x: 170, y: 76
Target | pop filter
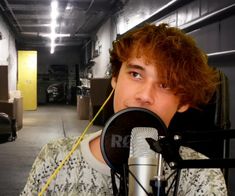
x: 115, y: 137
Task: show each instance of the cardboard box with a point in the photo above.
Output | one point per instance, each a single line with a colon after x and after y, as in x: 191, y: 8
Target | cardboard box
x: 8, y: 107
x: 83, y: 103
x: 19, y: 112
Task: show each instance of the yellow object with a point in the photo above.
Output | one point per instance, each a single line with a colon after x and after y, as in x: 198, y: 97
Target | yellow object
x: 27, y: 78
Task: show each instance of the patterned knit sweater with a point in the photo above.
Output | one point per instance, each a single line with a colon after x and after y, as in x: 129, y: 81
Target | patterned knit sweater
x: 83, y: 175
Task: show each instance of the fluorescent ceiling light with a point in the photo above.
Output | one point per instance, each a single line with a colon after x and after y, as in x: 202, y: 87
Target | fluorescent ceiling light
x: 53, y: 35
x: 54, y: 15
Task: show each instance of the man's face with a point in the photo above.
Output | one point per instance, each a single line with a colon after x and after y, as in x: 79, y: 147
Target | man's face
x: 137, y: 85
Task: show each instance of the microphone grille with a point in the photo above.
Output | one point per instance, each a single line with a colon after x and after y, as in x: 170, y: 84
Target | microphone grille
x: 138, y: 145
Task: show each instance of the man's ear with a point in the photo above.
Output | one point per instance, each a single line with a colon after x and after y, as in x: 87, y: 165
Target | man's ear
x: 183, y: 108
x: 113, y: 82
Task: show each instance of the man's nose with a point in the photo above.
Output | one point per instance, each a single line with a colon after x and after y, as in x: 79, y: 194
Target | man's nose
x: 145, y: 95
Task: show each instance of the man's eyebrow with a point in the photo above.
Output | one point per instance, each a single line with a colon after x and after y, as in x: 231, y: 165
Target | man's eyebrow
x: 134, y: 66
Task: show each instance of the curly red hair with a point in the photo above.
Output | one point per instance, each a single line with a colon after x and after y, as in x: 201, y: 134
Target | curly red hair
x: 179, y: 62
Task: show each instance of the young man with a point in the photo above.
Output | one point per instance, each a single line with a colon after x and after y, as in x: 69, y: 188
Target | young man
x: 155, y: 67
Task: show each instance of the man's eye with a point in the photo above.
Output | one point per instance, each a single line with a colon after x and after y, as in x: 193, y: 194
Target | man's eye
x: 135, y: 75
x: 164, y: 86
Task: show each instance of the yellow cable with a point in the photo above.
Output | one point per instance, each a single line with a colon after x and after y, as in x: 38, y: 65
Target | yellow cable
x: 73, y: 149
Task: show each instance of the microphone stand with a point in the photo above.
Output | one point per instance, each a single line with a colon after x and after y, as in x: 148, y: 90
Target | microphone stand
x: 123, y: 189
x: 169, y: 145
x: 167, y: 148
x: 158, y: 184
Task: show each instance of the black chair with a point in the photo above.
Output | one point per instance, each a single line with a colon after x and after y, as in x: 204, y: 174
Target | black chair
x: 212, y: 117
x: 7, y: 128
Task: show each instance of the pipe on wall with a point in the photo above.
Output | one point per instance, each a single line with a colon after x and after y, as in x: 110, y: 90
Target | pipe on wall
x: 209, y: 18
x: 222, y: 53
x: 163, y: 11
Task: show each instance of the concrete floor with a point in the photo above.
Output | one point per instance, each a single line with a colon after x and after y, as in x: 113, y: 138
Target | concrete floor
x: 39, y: 127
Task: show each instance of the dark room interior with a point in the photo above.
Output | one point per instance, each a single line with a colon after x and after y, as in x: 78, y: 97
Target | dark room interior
x: 55, y: 71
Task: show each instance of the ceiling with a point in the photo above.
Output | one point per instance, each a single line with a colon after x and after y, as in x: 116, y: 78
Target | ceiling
x: 30, y: 20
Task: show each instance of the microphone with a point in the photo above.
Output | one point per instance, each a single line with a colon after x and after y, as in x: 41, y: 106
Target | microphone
x: 142, y: 161
x: 115, y: 140
x: 115, y: 137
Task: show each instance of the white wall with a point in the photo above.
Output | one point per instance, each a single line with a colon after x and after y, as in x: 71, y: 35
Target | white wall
x: 135, y: 12
x: 8, y: 54
x: 103, y: 44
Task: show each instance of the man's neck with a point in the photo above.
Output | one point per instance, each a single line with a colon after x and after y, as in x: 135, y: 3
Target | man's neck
x: 95, y: 149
